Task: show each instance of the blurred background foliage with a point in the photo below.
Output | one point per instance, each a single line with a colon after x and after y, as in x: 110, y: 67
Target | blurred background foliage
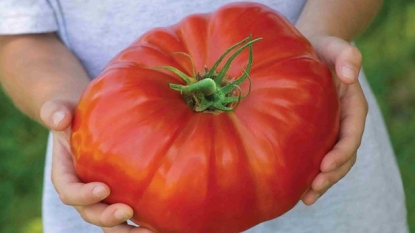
x: 388, y: 48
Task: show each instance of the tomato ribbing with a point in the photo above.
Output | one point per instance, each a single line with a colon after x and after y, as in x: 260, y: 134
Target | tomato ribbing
x: 186, y: 172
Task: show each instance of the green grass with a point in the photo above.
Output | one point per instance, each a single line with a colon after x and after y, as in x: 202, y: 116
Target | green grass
x: 388, y: 48
x: 22, y: 151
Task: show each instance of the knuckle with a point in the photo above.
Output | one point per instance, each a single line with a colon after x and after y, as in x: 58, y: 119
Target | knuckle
x: 336, y: 176
x: 353, y: 52
x: 87, y: 220
x: 85, y: 216
x: 106, y: 224
x: 358, y: 142
x: 332, y: 180
x: 54, y: 182
x: 64, y: 198
x: 331, y: 47
x: 366, y: 106
x: 347, y: 167
x: 353, y: 160
x: 336, y: 165
x: 331, y: 44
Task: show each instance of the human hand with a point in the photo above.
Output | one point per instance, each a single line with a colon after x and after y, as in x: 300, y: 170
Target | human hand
x: 86, y: 198
x: 345, y: 61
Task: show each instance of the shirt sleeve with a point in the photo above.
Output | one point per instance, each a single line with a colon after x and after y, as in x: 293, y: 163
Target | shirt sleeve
x: 26, y: 16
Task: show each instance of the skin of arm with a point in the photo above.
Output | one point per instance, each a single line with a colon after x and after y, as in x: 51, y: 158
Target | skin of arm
x: 345, y: 19
x: 35, y: 68
x: 330, y: 25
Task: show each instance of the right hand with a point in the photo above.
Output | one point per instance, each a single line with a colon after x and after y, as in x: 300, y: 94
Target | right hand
x: 85, y: 197
x: 339, y: 54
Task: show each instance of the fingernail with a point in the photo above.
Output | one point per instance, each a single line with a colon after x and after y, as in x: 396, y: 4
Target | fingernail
x: 121, y: 215
x: 100, y: 191
x: 58, y: 117
x: 348, y: 72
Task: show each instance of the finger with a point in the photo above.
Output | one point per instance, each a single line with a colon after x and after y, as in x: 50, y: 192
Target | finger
x: 342, y: 152
x: 124, y: 228
x: 353, y: 118
x: 344, y: 57
x: 70, y: 189
x: 56, y: 114
x: 348, y: 64
x: 104, y: 215
x: 324, y: 181
x: 310, y: 197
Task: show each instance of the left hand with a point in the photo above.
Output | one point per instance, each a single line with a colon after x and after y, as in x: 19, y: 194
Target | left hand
x: 345, y: 61
x: 84, y: 197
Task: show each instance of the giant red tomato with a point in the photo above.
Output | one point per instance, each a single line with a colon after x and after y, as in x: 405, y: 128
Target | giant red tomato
x: 219, y: 160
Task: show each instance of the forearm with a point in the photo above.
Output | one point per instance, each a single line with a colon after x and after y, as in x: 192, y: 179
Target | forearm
x: 37, y: 68
x: 345, y: 19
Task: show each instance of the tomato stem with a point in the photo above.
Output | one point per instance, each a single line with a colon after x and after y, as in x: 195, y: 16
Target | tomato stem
x: 205, y: 86
x: 212, y: 92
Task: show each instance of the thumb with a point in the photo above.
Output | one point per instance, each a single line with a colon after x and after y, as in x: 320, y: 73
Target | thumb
x: 56, y: 114
x: 344, y: 57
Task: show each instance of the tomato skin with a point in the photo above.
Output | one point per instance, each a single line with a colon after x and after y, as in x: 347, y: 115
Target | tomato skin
x: 187, y: 172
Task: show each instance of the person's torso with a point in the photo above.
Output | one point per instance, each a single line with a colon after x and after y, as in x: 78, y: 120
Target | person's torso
x: 97, y: 30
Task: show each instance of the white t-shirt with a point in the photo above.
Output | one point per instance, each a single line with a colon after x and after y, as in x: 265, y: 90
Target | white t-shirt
x: 369, y: 199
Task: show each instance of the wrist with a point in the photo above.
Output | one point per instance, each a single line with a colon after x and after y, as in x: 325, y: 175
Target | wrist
x: 342, y: 19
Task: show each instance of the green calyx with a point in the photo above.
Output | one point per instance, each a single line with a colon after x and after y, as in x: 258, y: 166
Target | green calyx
x: 211, y: 91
